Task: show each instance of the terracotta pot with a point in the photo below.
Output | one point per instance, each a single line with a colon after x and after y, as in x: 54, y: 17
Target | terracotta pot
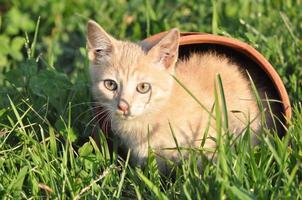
x: 256, y: 64
x: 192, y: 41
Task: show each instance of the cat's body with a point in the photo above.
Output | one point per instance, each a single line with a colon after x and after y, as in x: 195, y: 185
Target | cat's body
x: 137, y: 88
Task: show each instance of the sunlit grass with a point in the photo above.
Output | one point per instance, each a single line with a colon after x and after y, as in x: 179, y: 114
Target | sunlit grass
x: 36, y: 161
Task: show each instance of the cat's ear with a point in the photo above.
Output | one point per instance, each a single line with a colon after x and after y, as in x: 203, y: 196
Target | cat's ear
x: 165, y: 52
x: 100, y: 44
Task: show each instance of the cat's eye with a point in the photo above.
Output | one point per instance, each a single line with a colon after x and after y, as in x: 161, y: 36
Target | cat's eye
x: 110, y: 84
x: 143, y: 87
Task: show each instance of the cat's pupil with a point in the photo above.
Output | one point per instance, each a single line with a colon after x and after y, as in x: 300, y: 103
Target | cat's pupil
x: 110, y: 84
x: 143, y: 87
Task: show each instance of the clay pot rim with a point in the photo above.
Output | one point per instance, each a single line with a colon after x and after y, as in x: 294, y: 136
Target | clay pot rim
x: 187, y: 38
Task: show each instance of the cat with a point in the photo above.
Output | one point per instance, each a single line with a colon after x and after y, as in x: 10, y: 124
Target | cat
x: 136, y: 84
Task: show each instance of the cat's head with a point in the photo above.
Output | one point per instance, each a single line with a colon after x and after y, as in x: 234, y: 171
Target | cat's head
x: 128, y: 79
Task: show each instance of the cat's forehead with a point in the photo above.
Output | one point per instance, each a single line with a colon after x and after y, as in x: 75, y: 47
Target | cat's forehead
x: 129, y: 59
x: 127, y: 53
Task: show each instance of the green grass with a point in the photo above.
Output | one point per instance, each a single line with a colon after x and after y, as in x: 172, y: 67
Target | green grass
x: 46, y: 106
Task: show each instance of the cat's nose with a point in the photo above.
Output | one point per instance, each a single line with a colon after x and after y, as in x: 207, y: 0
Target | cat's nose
x: 123, y: 106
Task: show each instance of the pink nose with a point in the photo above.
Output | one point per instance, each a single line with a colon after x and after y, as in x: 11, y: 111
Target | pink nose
x: 123, y: 106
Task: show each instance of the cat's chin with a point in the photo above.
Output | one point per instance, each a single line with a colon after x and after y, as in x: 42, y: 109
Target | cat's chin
x: 125, y: 117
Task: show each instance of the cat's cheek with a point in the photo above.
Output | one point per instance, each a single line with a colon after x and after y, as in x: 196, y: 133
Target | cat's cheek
x: 137, y: 110
x: 146, y: 107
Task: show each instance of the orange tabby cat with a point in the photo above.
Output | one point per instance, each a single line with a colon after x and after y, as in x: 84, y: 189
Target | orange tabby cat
x: 136, y: 87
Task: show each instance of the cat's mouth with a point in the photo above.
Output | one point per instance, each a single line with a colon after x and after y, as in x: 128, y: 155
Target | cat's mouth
x: 127, y: 117
x: 124, y: 116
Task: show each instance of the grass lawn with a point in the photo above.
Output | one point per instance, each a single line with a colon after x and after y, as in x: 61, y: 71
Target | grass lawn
x: 46, y: 114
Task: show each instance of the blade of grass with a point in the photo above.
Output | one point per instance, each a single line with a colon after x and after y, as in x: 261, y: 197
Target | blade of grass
x: 240, y: 193
x: 152, y: 187
x: 223, y: 103
x: 33, y: 44
x: 121, y: 183
x: 288, y: 26
x: 214, y: 17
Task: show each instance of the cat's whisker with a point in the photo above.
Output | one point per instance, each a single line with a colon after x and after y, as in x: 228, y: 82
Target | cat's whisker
x: 84, y: 103
x: 104, y: 125
x: 107, y: 120
x: 88, y: 110
x: 83, y: 113
x: 103, y: 121
x: 97, y: 116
